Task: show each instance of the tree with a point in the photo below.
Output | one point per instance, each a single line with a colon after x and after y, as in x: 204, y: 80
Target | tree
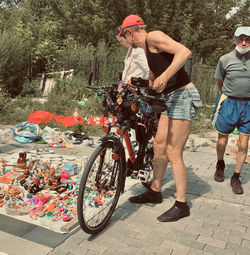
x: 13, y: 65
x: 50, y: 27
x: 242, y: 15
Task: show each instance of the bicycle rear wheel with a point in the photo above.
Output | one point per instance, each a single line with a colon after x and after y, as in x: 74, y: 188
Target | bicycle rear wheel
x: 100, y: 188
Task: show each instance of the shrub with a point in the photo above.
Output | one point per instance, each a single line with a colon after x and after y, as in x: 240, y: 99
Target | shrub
x: 17, y: 110
x: 14, y: 63
x: 30, y: 88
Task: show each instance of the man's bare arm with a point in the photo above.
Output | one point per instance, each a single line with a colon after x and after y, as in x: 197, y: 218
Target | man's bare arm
x: 160, y: 42
x: 220, y: 84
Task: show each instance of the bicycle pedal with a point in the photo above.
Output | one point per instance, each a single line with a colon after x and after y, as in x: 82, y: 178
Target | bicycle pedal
x: 143, y: 175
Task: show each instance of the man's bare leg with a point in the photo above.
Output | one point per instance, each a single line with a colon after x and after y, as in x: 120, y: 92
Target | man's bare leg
x: 220, y: 165
x: 242, y: 154
x: 178, y: 134
x: 221, y: 145
x: 177, y: 137
x: 160, y: 158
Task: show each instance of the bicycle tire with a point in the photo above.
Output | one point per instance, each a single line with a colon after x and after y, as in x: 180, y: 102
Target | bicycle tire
x: 85, y: 208
x: 148, y: 162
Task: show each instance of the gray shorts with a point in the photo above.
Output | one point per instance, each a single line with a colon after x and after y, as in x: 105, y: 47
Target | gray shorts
x: 183, y: 104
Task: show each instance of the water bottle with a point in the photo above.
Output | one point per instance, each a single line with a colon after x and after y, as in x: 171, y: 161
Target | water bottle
x: 147, y: 168
x: 148, y: 109
x: 135, y: 145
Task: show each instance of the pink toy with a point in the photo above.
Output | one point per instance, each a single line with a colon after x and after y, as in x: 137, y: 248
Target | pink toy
x: 65, y: 176
x: 34, y: 211
x: 39, y: 202
x: 36, y: 200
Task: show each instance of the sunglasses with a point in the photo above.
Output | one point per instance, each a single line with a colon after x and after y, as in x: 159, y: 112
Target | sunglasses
x: 241, y: 38
x: 125, y: 32
x: 244, y: 66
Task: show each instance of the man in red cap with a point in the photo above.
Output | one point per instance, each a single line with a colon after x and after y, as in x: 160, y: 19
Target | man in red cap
x: 135, y: 63
x: 166, y: 59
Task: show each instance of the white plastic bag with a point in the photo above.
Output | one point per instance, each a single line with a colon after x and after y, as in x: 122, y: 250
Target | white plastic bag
x: 50, y: 136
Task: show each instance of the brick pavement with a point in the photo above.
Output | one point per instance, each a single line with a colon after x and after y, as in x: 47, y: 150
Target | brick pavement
x: 219, y: 222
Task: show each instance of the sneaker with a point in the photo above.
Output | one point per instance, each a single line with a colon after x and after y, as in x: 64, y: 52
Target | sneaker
x: 174, y: 213
x: 236, y: 185
x: 219, y: 173
x: 150, y: 196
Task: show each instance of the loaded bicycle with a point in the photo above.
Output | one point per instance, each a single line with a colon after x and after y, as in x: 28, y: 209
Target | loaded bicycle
x: 104, y: 176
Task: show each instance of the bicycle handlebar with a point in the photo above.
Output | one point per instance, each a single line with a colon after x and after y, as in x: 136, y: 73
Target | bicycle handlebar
x: 149, y: 95
x: 144, y: 96
x: 92, y: 87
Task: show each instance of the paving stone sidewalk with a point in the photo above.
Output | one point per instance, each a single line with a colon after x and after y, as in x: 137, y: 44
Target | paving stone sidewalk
x: 219, y: 222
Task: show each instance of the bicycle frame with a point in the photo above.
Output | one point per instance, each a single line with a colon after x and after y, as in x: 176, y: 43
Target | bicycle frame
x: 135, y: 160
x: 114, y: 106
x: 129, y: 147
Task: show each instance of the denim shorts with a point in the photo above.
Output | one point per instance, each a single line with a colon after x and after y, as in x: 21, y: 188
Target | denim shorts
x: 230, y: 113
x: 183, y: 104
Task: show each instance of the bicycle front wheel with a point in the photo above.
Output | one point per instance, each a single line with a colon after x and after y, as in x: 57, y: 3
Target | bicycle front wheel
x: 100, y: 188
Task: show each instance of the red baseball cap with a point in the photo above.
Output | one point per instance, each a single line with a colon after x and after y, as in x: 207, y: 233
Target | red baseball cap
x: 131, y: 20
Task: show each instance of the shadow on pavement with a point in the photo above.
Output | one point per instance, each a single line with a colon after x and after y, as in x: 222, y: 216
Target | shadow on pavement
x: 7, y: 148
x: 195, y: 187
x: 245, y: 174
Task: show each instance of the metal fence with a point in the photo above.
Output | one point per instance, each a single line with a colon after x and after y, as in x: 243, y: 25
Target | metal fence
x: 203, y: 78
x: 106, y: 70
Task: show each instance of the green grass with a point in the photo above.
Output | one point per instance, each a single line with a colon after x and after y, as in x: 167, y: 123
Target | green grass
x: 201, y: 122
x: 18, y: 111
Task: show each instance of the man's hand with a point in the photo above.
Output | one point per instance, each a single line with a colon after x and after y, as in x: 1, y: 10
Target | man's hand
x: 159, y: 83
x: 123, y: 85
x: 131, y: 86
x: 120, y: 88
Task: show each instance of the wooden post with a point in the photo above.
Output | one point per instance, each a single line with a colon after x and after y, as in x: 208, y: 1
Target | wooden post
x: 42, y: 85
x: 89, y: 66
x: 95, y: 68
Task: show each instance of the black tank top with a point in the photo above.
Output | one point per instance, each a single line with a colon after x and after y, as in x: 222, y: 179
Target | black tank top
x: 159, y: 62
